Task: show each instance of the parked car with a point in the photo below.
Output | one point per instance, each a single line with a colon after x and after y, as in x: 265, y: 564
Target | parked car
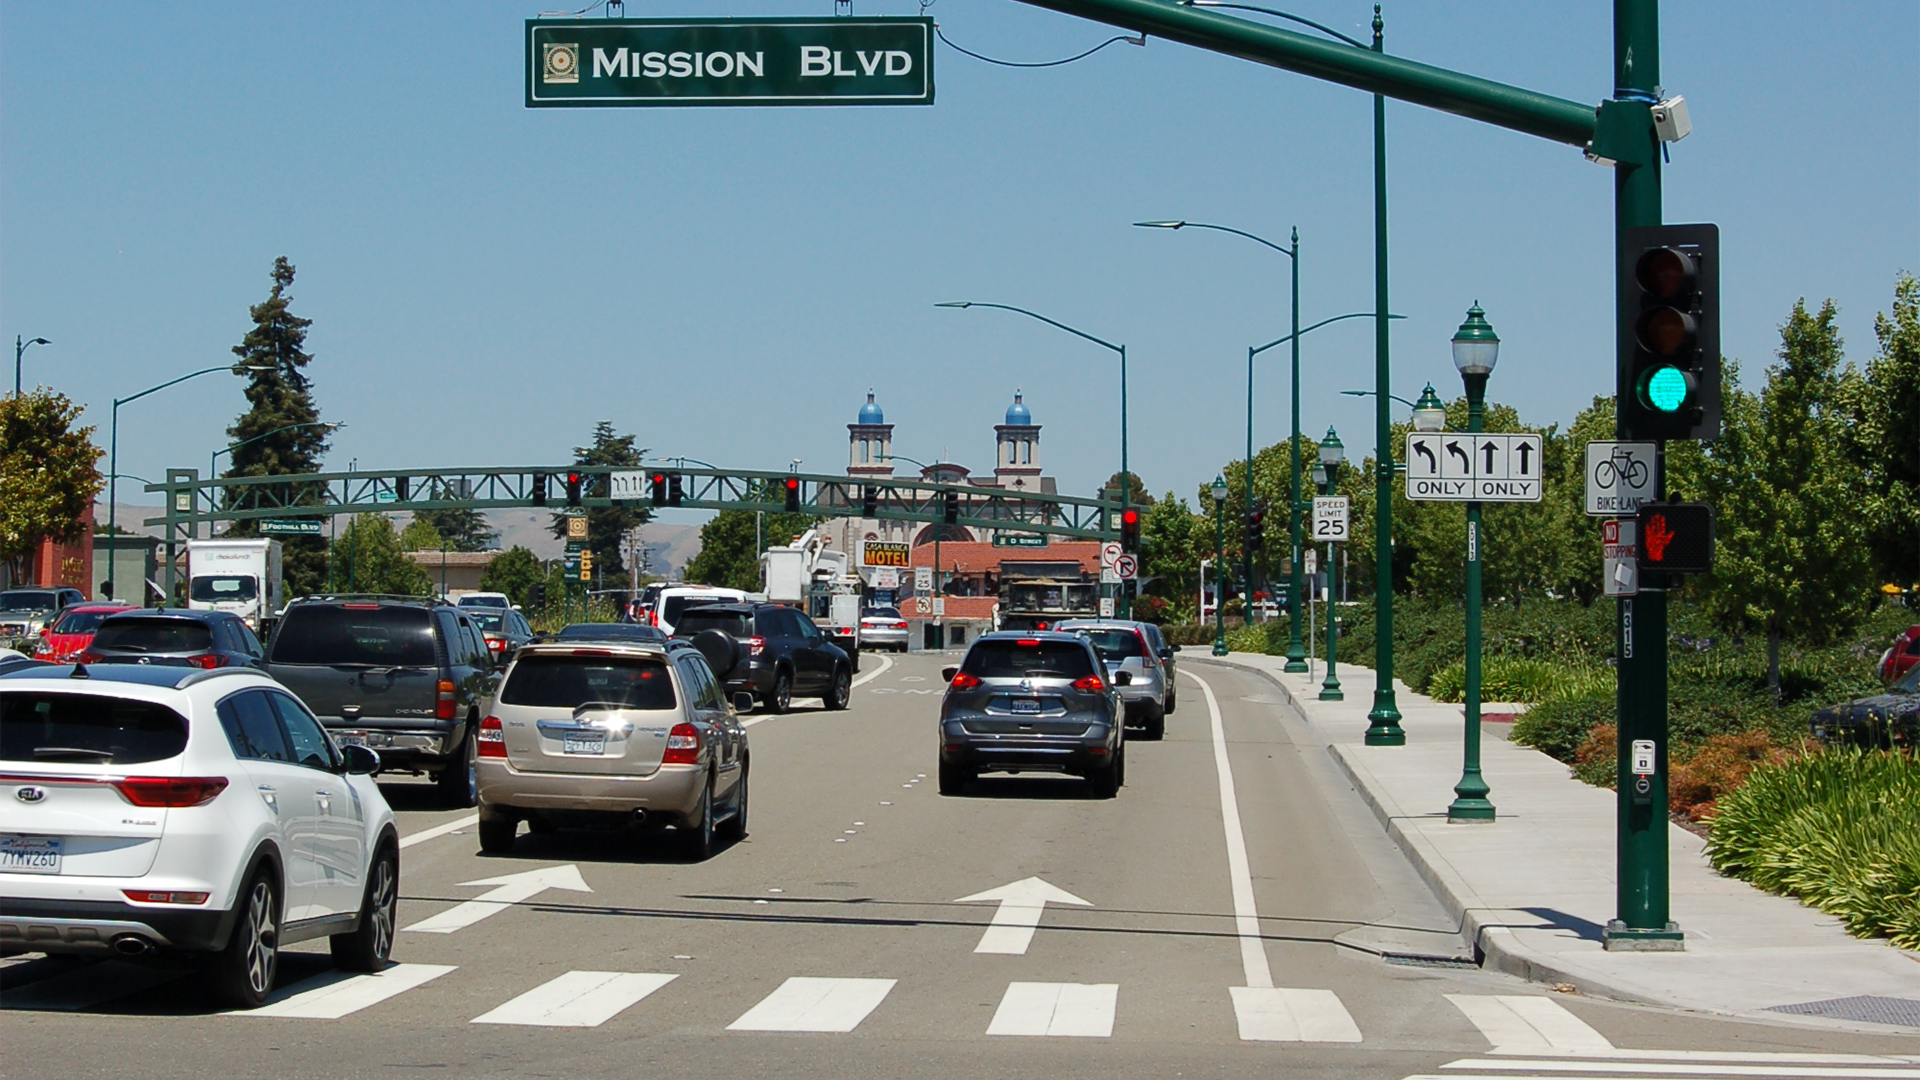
x: 485, y: 600
x: 124, y: 840
x: 70, y: 634
x: 621, y: 732
x: 407, y: 677
x: 503, y: 629
x: 174, y: 637
x: 1125, y: 646
x: 1887, y: 719
x: 1033, y: 701
x: 1902, y: 656
x: 883, y: 628
x: 785, y: 655
x: 674, y: 599
x: 609, y: 632
x: 26, y: 612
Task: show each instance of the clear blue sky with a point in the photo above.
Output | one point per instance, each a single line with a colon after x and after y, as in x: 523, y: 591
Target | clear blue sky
x: 486, y: 281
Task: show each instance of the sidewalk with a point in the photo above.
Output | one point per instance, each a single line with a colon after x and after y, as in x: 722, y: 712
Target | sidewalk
x: 1534, y: 889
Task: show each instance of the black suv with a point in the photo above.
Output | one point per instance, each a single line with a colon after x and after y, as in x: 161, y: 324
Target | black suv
x: 174, y: 637
x: 407, y: 676
x: 785, y: 655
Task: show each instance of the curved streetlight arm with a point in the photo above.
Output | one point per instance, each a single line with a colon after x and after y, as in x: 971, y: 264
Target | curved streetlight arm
x: 1033, y: 315
x: 1329, y: 31
x: 1256, y: 351
x: 683, y: 462
x: 117, y: 402
x: 1370, y: 393
x: 1217, y: 228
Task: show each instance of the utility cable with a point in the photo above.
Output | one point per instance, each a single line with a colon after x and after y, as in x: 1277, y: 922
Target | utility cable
x: 1141, y: 40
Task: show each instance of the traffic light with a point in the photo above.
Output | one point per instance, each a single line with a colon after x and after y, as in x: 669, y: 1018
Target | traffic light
x: 659, y: 489
x: 539, y: 489
x: 951, y: 515
x: 793, y: 494
x: 400, y: 487
x: 673, y: 489
x: 586, y: 564
x: 1669, y: 332
x: 1256, y: 528
x: 1130, y: 529
x: 869, y: 502
x: 1676, y: 538
x: 573, y: 489
x: 537, y: 595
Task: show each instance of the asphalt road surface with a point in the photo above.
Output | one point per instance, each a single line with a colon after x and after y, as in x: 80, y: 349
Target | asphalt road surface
x: 1227, y: 930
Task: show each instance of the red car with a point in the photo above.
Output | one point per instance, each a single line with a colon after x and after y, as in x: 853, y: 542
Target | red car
x: 70, y: 636
x: 1902, y: 655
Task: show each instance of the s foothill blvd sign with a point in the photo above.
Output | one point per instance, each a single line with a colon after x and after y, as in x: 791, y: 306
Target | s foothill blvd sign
x: 586, y: 63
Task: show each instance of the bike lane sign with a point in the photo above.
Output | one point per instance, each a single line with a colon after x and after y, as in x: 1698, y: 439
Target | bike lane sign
x: 1620, y: 476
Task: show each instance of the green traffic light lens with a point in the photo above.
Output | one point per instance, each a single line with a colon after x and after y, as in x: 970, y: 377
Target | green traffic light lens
x: 1667, y: 389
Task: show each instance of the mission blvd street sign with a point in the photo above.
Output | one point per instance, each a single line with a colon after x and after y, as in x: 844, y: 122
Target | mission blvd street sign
x: 577, y: 63
x: 1456, y: 467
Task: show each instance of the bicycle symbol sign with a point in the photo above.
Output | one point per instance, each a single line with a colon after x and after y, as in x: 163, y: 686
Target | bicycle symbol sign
x: 1619, y: 477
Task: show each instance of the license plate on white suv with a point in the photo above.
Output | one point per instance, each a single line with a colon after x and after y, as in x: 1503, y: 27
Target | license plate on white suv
x: 30, y: 854
x: 583, y: 744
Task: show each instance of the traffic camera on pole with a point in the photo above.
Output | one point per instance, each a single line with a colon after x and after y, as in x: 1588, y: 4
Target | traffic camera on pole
x: 1669, y: 367
x: 573, y: 489
x: 1130, y: 529
x: 793, y: 494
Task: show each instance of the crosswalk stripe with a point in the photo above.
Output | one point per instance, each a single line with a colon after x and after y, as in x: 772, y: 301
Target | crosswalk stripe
x: 1670, y: 1069
x: 808, y: 1004
x: 577, y: 999
x: 336, y: 994
x: 83, y: 988
x: 1518, y: 1023
x: 1280, y: 1014
x: 1082, y: 1010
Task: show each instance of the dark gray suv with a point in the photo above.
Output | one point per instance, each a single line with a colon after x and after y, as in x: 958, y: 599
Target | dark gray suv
x: 1033, y: 702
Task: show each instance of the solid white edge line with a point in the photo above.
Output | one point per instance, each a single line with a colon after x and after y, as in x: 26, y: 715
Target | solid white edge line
x: 1246, y: 916
x: 439, y: 831
x: 1566, y: 1066
x: 885, y: 663
x: 1754, y: 1057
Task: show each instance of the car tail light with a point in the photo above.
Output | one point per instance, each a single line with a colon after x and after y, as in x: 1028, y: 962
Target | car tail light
x: 899, y: 625
x: 758, y: 643
x: 964, y: 681
x: 1040, y: 626
x: 1090, y: 684
x: 89, y: 657
x: 493, y: 740
x: 170, y: 791
x: 653, y: 618
x: 1029, y: 642
x: 683, y: 746
x: 208, y: 661
x: 443, y: 702
x: 146, y: 896
x: 495, y: 644
x: 1146, y: 650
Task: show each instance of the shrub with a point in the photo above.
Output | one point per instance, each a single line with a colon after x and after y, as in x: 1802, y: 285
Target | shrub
x: 1710, y: 773
x: 1559, y: 725
x: 1596, y: 760
x: 1506, y: 678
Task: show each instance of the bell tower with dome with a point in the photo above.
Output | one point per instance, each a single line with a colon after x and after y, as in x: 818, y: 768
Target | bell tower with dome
x: 870, y: 442
x: 1017, y: 458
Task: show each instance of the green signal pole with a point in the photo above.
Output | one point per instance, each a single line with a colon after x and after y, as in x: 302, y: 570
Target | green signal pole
x: 1383, y: 720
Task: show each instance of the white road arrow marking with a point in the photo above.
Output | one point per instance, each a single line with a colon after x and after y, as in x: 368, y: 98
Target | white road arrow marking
x: 1021, y: 905
x: 509, y: 889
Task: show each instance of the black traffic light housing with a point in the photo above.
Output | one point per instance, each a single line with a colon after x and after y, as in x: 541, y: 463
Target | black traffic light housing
x: 401, y: 485
x: 1668, y: 378
x: 537, y: 594
x: 1256, y: 528
x: 1675, y: 538
x: 539, y: 497
x: 869, y: 502
x: 951, y: 513
x: 1130, y: 529
x: 659, y: 489
x: 573, y: 489
x: 793, y: 494
x: 673, y: 489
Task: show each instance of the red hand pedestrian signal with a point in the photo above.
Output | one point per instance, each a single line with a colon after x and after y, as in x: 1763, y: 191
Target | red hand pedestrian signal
x: 1658, y: 537
x: 1676, y: 538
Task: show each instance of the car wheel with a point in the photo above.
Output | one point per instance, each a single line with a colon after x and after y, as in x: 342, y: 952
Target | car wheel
x: 696, y: 834
x: 496, y: 833
x: 780, y: 699
x: 736, y: 826
x: 953, y: 778
x: 1120, y: 767
x: 1106, y: 782
x: 368, y: 948
x: 1156, y: 724
x: 243, y: 972
x: 459, y: 781
x: 540, y: 826
x: 1170, y: 699
x: 842, y: 690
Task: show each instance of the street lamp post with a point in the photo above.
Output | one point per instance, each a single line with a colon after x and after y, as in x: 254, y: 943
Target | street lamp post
x: 1475, y: 350
x: 20, y: 347
x: 1126, y: 482
x: 937, y: 526
x: 229, y: 449
x: 1220, y: 565
x: 1332, y: 453
x: 113, y: 455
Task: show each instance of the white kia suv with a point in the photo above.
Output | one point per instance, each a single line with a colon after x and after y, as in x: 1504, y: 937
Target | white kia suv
x: 150, y: 809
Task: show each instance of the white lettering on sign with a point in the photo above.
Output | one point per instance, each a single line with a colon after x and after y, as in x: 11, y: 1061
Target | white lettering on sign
x: 1473, y: 542
x: 1474, y: 468
x: 815, y: 60
x: 818, y: 60
x: 684, y: 65
x: 1626, y: 629
x: 604, y: 65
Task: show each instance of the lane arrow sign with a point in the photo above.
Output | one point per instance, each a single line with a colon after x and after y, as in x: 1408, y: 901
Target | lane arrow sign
x: 1526, y: 452
x: 1021, y: 904
x: 508, y: 890
x: 1465, y: 461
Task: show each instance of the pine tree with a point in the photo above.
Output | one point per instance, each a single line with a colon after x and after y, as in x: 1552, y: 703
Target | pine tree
x: 608, y: 527
x: 463, y: 530
x: 281, y: 429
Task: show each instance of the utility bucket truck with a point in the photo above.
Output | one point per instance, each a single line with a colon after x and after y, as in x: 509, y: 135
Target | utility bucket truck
x: 820, y: 581
x: 238, y: 576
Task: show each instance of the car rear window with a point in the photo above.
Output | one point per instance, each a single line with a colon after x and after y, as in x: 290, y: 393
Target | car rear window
x: 610, y: 632
x: 80, y: 622
x: 344, y: 634
x: 1027, y: 658
x: 1114, y: 644
x: 568, y: 682
x: 488, y: 620
x: 88, y: 728
x: 672, y: 606
x: 217, y: 587
x: 880, y: 613
x: 737, y: 623
x: 153, y: 635
x: 27, y: 600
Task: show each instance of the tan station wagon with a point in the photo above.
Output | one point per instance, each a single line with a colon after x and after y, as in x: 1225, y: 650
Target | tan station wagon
x: 612, y: 732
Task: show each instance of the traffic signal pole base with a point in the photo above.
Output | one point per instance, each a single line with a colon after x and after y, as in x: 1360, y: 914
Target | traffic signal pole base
x: 1464, y: 811
x: 1220, y: 648
x: 1619, y: 937
x: 1296, y: 660
x: 1383, y: 723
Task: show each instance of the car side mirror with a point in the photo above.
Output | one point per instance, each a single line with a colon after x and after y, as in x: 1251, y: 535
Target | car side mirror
x: 1123, y: 678
x: 742, y: 702
x: 1171, y: 649
x: 360, y: 760
x: 947, y: 673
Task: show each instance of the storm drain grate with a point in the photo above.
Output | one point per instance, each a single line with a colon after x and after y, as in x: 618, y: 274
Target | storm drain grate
x: 1865, y: 1008
x: 1408, y: 960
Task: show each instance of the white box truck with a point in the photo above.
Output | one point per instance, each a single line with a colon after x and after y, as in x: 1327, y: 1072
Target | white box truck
x: 240, y: 576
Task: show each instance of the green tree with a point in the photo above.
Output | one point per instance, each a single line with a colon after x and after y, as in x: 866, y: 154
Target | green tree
x: 1884, y: 402
x: 727, y: 554
x: 1136, y: 489
x: 420, y: 535
x: 49, y: 474
x: 463, y: 530
x: 1791, y: 560
x: 511, y: 572
x: 1171, y: 547
x: 367, y: 559
x: 281, y: 427
x: 607, y: 527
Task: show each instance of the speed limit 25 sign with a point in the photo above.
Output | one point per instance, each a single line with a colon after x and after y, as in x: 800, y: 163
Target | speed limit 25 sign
x: 1330, y: 519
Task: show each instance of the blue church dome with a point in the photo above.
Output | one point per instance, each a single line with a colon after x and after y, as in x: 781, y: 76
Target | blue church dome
x: 871, y: 414
x: 1017, y: 413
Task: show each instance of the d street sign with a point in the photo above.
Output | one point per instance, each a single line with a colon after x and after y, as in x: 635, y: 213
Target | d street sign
x: 1619, y: 477
x: 1455, y: 467
x: 586, y: 63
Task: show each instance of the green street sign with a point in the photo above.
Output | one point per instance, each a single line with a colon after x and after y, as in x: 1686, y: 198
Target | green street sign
x: 1019, y: 539
x: 291, y: 527
x: 579, y: 63
x: 574, y: 547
